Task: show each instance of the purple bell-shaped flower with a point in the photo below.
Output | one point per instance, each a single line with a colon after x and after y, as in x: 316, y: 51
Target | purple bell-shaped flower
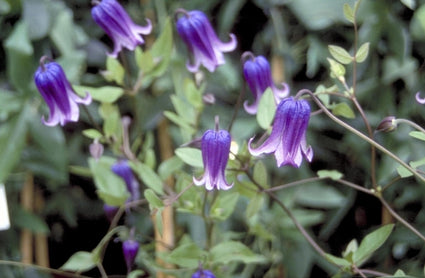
x: 115, y: 21
x: 123, y: 169
x: 258, y: 75
x: 215, y: 147
x: 287, y: 140
x: 203, y: 273
x: 207, y: 49
x: 130, y: 248
x: 57, y: 92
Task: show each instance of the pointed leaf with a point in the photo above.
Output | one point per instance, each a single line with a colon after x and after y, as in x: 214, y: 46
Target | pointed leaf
x: 362, y: 53
x: 106, y: 94
x: 190, y: 156
x: 224, y: 206
x: 332, y: 174
x: 266, y: 109
x: 148, y: 176
x: 418, y: 135
x: 371, y: 243
x: 342, y: 109
x: 348, y: 12
x: 231, y: 251
x: 80, y: 262
x: 154, y: 201
x: 340, y: 54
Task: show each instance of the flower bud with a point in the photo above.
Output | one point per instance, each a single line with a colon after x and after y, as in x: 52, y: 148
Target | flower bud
x: 96, y: 149
x: 130, y: 248
x: 388, y: 124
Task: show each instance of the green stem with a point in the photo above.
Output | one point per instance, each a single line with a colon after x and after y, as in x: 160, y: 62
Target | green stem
x: 42, y: 268
x: 361, y: 135
x: 287, y: 185
x: 412, y: 124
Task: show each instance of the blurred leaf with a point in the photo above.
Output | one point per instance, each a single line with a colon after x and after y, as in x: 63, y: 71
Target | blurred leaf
x: 332, y: 174
x: 417, y: 24
x: 184, y: 109
x: 92, y: 133
x: 186, y: 255
x: 319, y: 196
x: 223, y: 206
x: 193, y: 94
x: 362, y: 53
x: 19, y: 54
x: 162, y: 48
x: 79, y: 262
x: 340, y: 54
x: 418, y: 135
x: 105, y: 94
x: 348, y: 13
x: 352, y: 247
x: 190, y: 156
x: 110, y: 188
x: 371, y: 243
x: 169, y: 167
x: 337, y: 70
x: 260, y: 174
x: 136, y: 273
x: 114, y: 71
x: 342, y: 109
x: 37, y: 18
x: 337, y: 260
x: 154, y: 201
x: 12, y: 141
x: 112, y: 120
x: 403, y: 172
x: 228, y: 12
x: 254, y: 206
x: 4, y: 7
x: 234, y: 251
x: 28, y: 220
x: 148, y: 176
x: 179, y: 121
x: 144, y: 60
x: 266, y: 109
x: 411, y: 4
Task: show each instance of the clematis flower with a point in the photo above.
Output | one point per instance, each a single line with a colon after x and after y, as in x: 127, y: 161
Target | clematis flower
x: 203, y: 273
x: 419, y: 99
x: 130, y: 248
x: 215, y: 147
x: 115, y: 21
x: 57, y: 92
x: 202, y: 41
x: 258, y: 75
x: 123, y: 169
x: 287, y: 140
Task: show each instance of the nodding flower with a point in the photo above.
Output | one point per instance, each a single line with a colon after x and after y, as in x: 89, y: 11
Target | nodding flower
x: 57, y: 92
x: 215, y: 147
x: 201, y: 40
x: 116, y: 22
x: 258, y: 75
x: 203, y: 273
x: 287, y: 140
x: 130, y: 248
x: 123, y: 169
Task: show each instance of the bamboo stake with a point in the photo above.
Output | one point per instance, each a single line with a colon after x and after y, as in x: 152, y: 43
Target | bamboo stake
x: 41, y: 245
x: 27, y: 197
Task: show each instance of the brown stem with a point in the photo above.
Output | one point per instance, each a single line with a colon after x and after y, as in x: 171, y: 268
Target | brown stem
x: 27, y: 198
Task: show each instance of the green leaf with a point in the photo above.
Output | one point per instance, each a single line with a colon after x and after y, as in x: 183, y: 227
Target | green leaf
x: 190, y: 156
x: 320, y: 196
x: 266, y: 109
x: 136, y: 273
x: 181, y: 122
x: 12, y: 141
x: 37, y: 18
x: 79, y: 262
x: 342, y: 109
x: 348, y: 13
x: 234, y: 251
x: 110, y: 187
x: 224, y: 206
x: 371, y: 243
x: 105, y: 94
x: 362, y: 53
x: 411, y: 4
x: 193, y: 94
x: 28, y: 220
x: 148, y: 176
x: 154, y: 201
x: 186, y: 255
x: 114, y: 71
x: 403, y: 172
x: 418, y: 135
x: 144, y: 60
x: 162, y: 48
x: 337, y: 261
x: 337, y: 70
x: 184, y: 109
x: 332, y: 174
x: 112, y: 120
x: 19, y: 57
x: 340, y: 54
x: 169, y: 167
x: 260, y: 173
x: 399, y: 273
x: 254, y: 206
x: 92, y: 133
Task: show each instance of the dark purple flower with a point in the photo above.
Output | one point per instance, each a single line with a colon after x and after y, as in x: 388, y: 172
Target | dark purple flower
x: 203, y: 273
x: 258, y: 75
x: 115, y: 21
x: 207, y: 49
x: 215, y: 146
x: 287, y: 140
x: 110, y: 211
x: 56, y: 90
x: 123, y: 169
x: 130, y: 248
